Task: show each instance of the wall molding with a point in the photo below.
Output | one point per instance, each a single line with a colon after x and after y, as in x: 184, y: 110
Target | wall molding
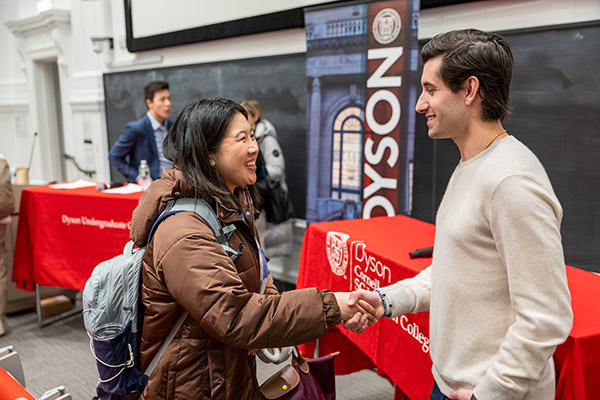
x: 14, y: 107
x: 43, y: 22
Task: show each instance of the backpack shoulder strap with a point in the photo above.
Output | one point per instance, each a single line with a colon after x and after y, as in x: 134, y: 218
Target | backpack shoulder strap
x: 203, y: 209
x: 166, y: 343
x: 200, y: 207
x: 164, y: 215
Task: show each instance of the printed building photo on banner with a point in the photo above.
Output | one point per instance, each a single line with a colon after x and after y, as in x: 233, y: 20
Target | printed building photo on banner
x: 361, y: 68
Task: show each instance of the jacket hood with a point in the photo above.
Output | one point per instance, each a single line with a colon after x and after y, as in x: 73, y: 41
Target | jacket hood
x: 170, y: 186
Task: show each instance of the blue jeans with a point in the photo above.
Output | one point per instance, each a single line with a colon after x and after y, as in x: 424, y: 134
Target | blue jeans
x: 436, y: 394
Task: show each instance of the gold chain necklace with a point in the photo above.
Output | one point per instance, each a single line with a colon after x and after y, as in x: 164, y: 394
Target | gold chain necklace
x: 495, y: 137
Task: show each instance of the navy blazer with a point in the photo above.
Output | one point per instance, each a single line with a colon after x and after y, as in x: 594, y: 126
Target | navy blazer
x: 136, y: 143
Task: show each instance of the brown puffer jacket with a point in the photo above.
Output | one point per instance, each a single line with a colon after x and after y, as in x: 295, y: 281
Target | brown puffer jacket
x: 185, y: 267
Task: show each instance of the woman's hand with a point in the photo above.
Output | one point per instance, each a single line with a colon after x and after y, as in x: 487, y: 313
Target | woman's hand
x: 367, y: 301
x: 356, y: 315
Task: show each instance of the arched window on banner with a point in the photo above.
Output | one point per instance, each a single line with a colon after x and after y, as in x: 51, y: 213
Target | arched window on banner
x: 346, y: 171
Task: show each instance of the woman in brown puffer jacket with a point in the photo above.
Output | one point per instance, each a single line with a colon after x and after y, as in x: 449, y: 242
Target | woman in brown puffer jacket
x: 214, y: 152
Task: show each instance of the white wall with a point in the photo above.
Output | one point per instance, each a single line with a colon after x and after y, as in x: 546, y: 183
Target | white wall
x: 502, y: 15
x: 153, y: 17
x: 13, y: 88
x: 82, y: 68
x: 66, y: 42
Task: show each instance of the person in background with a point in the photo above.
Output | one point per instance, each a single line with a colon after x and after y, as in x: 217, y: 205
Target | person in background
x: 233, y: 306
x: 7, y: 207
x: 496, y: 288
x: 143, y: 139
x: 277, y: 239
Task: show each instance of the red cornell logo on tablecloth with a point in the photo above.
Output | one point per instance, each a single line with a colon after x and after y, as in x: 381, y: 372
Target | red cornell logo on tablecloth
x: 337, y: 252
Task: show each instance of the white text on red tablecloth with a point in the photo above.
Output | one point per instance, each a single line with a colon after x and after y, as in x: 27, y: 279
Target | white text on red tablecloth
x: 368, y: 272
x: 98, y: 223
x: 413, y: 330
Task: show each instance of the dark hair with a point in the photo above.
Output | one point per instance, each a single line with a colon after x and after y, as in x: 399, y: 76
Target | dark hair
x: 154, y: 87
x: 198, y: 131
x: 471, y: 52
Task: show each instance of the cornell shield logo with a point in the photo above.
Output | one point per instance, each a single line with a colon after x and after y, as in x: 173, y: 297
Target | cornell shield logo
x: 386, y: 26
x: 337, y: 252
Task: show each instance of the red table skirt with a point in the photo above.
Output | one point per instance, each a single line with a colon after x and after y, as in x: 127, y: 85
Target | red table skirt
x: 64, y: 233
x: 351, y: 254
x: 11, y: 389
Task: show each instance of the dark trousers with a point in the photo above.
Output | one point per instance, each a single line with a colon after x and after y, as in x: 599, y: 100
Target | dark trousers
x: 436, y: 394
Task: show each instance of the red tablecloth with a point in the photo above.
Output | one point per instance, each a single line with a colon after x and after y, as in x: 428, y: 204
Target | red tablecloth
x: 11, y: 389
x: 345, y: 255
x: 64, y: 233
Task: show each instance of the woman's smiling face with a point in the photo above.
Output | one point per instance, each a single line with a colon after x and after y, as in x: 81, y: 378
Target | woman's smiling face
x: 235, y: 160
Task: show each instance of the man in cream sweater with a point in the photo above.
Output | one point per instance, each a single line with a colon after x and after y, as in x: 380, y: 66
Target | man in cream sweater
x: 496, y: 288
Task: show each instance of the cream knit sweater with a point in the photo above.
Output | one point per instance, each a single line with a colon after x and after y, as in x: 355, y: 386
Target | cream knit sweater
x: 497, y: 287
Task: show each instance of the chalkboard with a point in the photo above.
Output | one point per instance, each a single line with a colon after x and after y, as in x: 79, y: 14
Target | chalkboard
x: 555, y: 93
x: 278, y: 83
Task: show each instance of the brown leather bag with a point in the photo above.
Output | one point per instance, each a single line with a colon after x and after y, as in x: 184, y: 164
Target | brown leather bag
x: 7, y: 202
x: 312, y: 379
x: 283, y: 381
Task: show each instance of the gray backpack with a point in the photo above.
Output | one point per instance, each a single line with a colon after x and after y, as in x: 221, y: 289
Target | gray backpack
x: 111, y: 314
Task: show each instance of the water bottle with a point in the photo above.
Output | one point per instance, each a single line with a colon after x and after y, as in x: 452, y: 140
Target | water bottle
x: 144, y: 178
x: 13, y: 175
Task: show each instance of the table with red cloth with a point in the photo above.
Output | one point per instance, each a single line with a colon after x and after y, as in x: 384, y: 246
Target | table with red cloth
x: 64, y: 233
x: 10, y: 388
x: 352, y: 254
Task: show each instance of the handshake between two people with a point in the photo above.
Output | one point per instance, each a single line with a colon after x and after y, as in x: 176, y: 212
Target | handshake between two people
x: 359, y: 309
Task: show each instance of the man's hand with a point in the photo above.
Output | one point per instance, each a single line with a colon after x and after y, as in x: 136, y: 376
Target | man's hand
x: 369, y: 301
x: 359, y: 309
x: 460, y: 394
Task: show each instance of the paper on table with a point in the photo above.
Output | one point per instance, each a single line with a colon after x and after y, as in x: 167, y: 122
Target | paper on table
x: 127, y: 189
x: 79, y: 183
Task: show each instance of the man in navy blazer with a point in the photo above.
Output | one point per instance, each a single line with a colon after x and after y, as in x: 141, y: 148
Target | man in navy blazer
x: 143, y: 139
